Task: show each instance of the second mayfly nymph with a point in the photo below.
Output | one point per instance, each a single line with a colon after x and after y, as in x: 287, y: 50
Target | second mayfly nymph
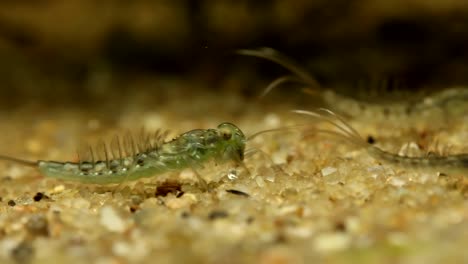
x: 406, y: 104
x: 154, y: 156
x: 454, y: 163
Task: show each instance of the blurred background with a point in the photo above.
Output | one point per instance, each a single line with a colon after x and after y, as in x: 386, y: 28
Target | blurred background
x: 84, y: 51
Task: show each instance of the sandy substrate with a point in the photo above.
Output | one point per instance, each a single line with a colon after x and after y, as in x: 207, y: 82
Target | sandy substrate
x: 311, y: 198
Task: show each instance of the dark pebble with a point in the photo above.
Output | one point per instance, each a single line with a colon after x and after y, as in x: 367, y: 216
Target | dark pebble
x: 236, y: 192
x: 38, y: 196
x: 217, y: 215
x: 169, y: 187
x: 184, y: 214
x: 133, y: 208
x: 38, y: 225
x: 23, y: 253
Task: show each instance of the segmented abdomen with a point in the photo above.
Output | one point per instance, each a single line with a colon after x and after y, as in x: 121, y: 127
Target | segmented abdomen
x: 112, y: 171
x: 451, y: 162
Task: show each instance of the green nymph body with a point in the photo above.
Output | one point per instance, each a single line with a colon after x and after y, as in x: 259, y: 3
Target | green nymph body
x: 189, y: 150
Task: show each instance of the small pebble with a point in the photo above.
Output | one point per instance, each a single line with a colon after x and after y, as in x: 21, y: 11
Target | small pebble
x: 11, y: 203
x: 328, y: 171
x: 136, y: 199
x: 37, y: 225
x: 38, y: 196
x: 184, y: 201
x: 217, y: 214
x: 23, y: 253
x: 396, y: 182
x: 58, y: 189
x: 260, y: 182
x: 134, y: 208
x: 332, y: 242
x: 111, y: 220
x: 232, y: 175
x: 370, y: 139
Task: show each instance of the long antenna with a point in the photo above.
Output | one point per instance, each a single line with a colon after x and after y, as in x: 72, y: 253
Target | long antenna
x: 275, y: 56
x: 285, y: 128
x: 19, y: 161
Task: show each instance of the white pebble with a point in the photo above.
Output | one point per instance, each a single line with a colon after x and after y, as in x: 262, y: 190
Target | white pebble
x: 332, y: 242
x: 187, y: 174
x: 300, y: 231
x: 260, y: 182
x: 58, y: 189
x: 396, y: 182
x: 111, y: 220
x: 328, y: 171
x: 185, y: 201
x: 232, y: 175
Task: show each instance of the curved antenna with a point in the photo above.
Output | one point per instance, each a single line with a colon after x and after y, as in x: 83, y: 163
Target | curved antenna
x: 19, y: 161
x: 273, y: 130
x: 339, y: 135
x: 277, y: 82
x: 346, y: 130
x: 343, y: 122
x: 275, y: 56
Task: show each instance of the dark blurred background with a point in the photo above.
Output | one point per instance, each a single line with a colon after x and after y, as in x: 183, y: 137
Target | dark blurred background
x: 85, y: 50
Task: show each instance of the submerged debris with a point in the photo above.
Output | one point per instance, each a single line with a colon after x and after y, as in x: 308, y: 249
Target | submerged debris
x: 236, y: 192
x: 169, y: 187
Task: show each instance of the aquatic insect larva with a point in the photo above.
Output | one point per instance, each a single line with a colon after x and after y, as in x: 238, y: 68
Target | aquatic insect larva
x: 454, y: 163
x: 349, y: 105
x: 130, y: 161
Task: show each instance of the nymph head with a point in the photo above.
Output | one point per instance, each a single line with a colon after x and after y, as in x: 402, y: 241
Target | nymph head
x: 233, y: 139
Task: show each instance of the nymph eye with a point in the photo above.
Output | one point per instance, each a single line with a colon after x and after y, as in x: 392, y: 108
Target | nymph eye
x: 227, y: 136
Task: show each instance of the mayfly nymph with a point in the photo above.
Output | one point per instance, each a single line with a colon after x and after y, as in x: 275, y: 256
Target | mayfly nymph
x: 350, y: 105
x: 456, y: 162
x: 128, y: 160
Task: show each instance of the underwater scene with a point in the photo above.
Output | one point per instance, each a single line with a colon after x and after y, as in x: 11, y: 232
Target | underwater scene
x: 233, y: 131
